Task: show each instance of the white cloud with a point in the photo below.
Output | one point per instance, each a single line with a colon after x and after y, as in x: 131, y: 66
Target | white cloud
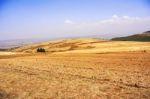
x: 67, y: 21
x: 115, y: 16
x: 126, y: 17
x: 114, y: 26
x: 120, y: 19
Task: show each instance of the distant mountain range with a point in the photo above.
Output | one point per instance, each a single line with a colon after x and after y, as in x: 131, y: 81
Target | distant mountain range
x: 145, y: 36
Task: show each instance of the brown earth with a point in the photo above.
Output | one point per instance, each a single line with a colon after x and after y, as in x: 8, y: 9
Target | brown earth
x: 117, y: 75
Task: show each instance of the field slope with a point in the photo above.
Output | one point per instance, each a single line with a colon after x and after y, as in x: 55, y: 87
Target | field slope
x: 85, y: 45
x: 77, y: 69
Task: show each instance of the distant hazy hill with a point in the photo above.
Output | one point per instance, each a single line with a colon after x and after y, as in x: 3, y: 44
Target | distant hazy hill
x: 137, y: 37
x: 5, y: 44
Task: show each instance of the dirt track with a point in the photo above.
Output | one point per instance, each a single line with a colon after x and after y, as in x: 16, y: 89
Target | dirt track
x: 81, y: 76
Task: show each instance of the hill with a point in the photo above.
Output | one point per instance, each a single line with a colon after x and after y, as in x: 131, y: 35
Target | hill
x: 60, y: 45
x: 84, y: 45
x: 137, y: 37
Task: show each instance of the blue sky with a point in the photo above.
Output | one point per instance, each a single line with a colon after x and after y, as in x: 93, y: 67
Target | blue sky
x: 68, y: 18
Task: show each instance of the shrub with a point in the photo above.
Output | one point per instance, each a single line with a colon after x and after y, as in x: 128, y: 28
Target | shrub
x: 40, y: 50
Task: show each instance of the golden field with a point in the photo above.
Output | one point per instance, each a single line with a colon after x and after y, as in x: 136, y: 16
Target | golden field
x: 77, y: 69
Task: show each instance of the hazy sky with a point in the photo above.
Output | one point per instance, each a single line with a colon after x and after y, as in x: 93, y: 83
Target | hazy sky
x: 68, y: 18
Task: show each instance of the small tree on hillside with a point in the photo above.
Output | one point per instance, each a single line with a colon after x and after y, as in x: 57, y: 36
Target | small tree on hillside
x: 40, y: 50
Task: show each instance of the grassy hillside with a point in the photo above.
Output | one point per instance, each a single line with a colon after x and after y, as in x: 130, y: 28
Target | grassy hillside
x: 138, y: 37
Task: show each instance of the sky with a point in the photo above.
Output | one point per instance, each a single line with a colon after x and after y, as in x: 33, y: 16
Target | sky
x: 22, y: 19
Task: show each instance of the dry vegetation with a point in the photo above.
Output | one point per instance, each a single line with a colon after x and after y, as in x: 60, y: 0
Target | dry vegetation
x: 116, y: 74
x: 85, y: 45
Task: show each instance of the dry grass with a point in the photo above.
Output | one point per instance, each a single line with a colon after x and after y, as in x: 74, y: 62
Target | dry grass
x: 77, y: 69
x: 80, y: 76
x: 86, y: 45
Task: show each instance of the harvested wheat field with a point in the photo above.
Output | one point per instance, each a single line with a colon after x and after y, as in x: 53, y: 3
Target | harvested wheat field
x: 74, y: 74
x: 81, y: 76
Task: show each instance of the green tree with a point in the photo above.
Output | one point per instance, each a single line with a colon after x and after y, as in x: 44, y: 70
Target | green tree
x: 41, y: 50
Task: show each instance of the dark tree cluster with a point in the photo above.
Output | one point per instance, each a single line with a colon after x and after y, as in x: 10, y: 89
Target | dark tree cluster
x: 40, y: 50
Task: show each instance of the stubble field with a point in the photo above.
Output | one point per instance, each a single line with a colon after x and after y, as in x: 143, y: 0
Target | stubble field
x: 118, y: 75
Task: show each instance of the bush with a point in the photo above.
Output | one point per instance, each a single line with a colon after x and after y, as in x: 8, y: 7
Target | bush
x: 40, y: 50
